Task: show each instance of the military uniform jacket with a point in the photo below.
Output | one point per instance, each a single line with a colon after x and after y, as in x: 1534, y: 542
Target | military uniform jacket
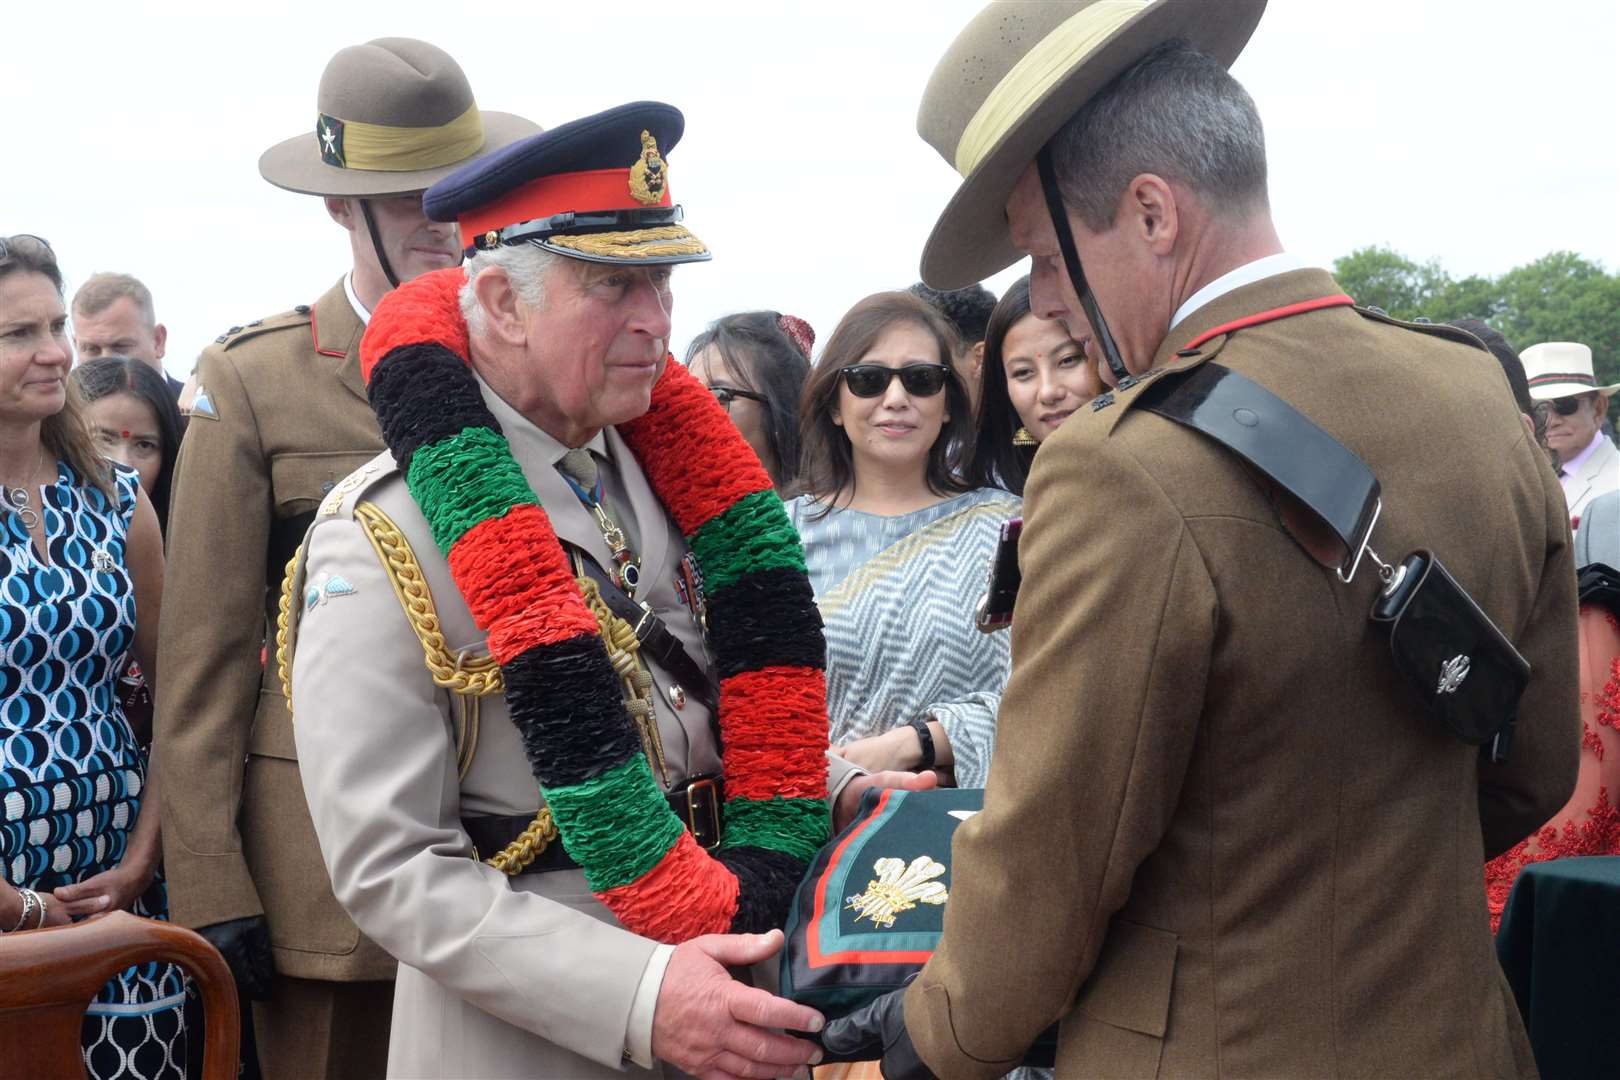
x: 283, y: 417
x: 1220, y: 837
x: 499, y: 976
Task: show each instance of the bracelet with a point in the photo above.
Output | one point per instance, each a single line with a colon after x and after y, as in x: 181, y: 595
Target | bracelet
x: 926, y: 739
x: 41, y: 924
x: 30, y: 899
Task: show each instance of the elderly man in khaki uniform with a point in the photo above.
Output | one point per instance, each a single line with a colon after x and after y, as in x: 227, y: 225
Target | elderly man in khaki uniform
x: 1221, y: 836
x: 280, y: 418
x: 548, y: 821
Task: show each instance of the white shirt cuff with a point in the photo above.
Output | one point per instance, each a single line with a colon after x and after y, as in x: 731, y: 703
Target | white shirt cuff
x: 638, y: 1030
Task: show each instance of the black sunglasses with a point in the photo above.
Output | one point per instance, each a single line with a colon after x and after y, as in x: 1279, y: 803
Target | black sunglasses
x: 919, y: 380
x: 1566, y: 406
x: 725, y: 395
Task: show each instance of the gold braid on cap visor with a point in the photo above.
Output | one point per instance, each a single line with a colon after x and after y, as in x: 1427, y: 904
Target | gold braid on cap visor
x: 1036, y: 72
x: 656, y: 243
x: 384, y: 148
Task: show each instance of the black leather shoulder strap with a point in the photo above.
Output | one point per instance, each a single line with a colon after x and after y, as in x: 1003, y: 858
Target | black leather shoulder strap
x: 1321, y: 474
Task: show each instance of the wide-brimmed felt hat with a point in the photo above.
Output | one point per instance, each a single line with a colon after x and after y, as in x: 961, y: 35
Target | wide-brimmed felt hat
x: 1019, y: 72
x: 595, y: 189
x: 1558, y: 369
x: 394, y: 116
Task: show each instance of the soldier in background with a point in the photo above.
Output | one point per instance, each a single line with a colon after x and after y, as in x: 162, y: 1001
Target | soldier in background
x: 279, y: 417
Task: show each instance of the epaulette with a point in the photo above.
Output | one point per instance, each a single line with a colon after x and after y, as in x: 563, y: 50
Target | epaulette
x: 1444, y: 330
x: 298, y: 316
x: 352, y: 489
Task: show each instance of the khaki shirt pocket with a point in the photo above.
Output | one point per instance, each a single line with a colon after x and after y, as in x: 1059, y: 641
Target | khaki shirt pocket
x: 1123, y: 1011
x: 300, y: 480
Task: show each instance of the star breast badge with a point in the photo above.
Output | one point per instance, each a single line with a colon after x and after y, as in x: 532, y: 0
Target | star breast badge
x: 649, y: 174
x: 897, y: 889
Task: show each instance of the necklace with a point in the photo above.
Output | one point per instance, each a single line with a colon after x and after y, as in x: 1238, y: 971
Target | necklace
x: 562, y: 691
x: 17, y: 498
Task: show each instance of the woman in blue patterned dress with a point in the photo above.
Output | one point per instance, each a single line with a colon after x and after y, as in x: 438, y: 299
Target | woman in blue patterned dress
x: 898, y: 546
x: 81, y: 570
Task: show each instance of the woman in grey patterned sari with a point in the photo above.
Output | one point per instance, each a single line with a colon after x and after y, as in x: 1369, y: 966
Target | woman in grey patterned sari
x: 898, y: 545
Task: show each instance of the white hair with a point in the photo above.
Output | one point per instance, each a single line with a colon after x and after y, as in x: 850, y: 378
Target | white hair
x: 526, y: 267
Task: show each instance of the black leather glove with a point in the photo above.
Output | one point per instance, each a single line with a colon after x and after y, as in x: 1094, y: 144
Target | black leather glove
x: 245, y: 945
x: 876, y: 1031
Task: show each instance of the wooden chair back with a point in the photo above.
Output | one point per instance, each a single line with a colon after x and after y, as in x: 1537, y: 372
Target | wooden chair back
x: 48, y: 977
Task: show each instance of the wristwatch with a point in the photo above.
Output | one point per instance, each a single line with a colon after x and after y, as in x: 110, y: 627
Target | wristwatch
x: 926, y: 738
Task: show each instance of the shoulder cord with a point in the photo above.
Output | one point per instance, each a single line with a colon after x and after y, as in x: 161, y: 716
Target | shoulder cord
x: 472, y: 678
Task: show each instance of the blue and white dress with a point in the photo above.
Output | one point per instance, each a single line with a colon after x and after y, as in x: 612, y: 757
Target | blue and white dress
x: 71, y: 773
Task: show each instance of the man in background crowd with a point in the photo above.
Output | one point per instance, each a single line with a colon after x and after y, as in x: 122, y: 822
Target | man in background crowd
x: 1564, y: 384
x: 113, y: 316
x: 968, y: 311
x: 279, y: 418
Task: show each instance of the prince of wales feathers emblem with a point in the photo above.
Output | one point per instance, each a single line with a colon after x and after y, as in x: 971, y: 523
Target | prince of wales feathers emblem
x: 897, y: 889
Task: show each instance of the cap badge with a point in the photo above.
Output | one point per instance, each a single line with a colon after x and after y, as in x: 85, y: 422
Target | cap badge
x: 329, y: 130
x: 648, y: 174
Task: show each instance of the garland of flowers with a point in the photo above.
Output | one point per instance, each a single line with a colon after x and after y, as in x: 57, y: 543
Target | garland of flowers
x: 562, y: 693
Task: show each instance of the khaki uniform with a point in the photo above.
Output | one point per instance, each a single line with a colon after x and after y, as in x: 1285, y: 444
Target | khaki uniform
x: 289, y: 420
x: 499, y: 976
x: 1221, y: 838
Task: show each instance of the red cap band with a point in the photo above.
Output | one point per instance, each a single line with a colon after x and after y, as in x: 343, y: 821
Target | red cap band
x: 579, y: 192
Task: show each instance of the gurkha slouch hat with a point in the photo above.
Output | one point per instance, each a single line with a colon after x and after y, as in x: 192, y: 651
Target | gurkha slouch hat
x: 393, y: 116
x: 1015, y: 75
x: 595, y: 189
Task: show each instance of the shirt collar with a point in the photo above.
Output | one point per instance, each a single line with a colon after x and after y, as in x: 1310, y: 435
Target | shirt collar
x: 1247, y: 274
x: 516, y: 424
x: 1573, y: 465
x: 354, y: 301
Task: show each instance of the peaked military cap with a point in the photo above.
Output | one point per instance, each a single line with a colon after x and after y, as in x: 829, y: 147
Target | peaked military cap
x: 1015, y: 75
x: 393, y: 116
x: 596, y: 189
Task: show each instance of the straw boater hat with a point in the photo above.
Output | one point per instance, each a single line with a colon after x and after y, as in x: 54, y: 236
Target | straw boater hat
x: 1015, y: 75
x: 395, y: 116
x: 1558, y: 369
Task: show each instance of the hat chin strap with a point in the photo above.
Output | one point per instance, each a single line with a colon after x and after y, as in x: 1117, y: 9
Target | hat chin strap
x: 1071, y: 261
x: 376, y: 244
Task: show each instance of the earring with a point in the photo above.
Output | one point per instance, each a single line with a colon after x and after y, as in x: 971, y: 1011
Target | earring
x: 1022, y: 437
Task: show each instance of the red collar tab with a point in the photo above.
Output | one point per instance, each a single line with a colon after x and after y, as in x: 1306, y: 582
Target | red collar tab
x: 591, y: 191
x: 1338, y: 300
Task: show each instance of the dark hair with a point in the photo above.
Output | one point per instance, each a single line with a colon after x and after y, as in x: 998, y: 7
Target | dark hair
x: 828, y: 460
x: 967, y: 310
x: 768, y: 362
x: 1176, y: 113
x: 64, y: 433
x: 108, y: 375
x: 1513, y: 368
x: 993, y: 460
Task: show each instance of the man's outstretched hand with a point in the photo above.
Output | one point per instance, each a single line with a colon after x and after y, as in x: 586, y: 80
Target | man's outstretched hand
x: 709, y: 1025
x: 849, y: 800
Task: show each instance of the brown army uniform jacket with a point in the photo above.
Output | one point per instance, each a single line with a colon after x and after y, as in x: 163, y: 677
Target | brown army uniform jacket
x: 1220, y: 838
x: 289, y: 420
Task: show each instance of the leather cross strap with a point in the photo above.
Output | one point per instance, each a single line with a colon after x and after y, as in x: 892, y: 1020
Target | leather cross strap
x: 657, y: 642
x: 1321, y: 475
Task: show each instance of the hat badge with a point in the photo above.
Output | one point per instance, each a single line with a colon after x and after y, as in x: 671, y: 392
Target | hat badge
x: 649, y: 174
x: 329, y: 130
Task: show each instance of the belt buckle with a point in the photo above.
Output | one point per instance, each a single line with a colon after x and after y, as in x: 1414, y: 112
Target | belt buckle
x: 713, y: 788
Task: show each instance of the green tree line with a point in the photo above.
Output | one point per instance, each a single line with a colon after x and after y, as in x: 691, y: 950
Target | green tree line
x: 1559, y: 297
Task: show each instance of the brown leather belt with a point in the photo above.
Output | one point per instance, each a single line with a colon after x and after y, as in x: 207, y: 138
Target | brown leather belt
x: 697, y: 803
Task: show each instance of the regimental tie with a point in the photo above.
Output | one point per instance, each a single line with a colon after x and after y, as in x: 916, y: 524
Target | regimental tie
x: 578, y: 467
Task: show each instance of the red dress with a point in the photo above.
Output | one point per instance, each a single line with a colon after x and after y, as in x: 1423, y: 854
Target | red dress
x: 1589, y: 823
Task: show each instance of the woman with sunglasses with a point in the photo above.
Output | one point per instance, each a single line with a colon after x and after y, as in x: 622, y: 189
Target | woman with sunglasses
x: 1036, y: 375
x: 897, y: 544
x: 756, y: 363
x: 81, y: 571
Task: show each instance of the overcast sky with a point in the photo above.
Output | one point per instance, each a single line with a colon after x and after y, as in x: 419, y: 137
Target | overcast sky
x: 1480, y: 132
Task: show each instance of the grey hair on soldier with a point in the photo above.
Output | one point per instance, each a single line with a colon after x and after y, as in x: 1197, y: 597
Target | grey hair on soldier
x: 526, y: 267
x: 1175, y: 113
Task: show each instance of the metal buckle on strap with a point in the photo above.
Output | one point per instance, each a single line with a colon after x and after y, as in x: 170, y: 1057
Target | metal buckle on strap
x: 1353, y: 556
x: 713, y: 815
